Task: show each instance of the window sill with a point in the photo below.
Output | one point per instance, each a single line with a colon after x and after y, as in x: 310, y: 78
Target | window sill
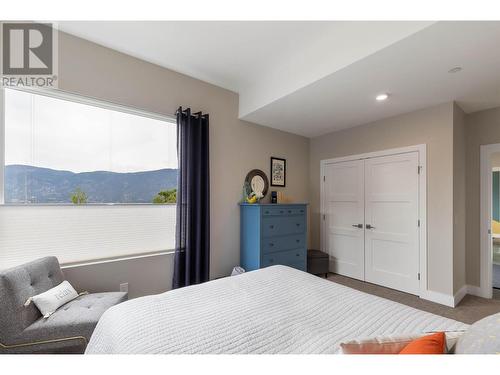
x: 117, y: 259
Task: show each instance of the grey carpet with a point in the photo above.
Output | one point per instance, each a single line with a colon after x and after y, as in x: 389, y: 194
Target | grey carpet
x: 469, y: 310
x: 496, y: 276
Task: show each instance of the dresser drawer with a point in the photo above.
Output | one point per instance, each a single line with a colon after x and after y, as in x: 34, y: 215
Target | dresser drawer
x: 274, y: 244
x: 286, y: 258
x: 273, y: 211
x: 279, y: 226
x: 283, y: 211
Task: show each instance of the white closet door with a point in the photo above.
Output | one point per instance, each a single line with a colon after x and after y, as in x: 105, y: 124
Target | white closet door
x: 391, y: 218
x: 344, y: 212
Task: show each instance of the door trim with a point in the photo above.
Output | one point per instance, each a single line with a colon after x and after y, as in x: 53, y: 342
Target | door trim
x: 422, y: 200
x: 486, y: 191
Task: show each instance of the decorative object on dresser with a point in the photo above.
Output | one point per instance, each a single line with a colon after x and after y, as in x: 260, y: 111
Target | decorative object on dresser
x: 317, y: 262
x: 255, y: 187
x: 273, y: 234
x: 279, y: 197
x: 274, y: 197
x: 278, y: 172
x: 282, y: 198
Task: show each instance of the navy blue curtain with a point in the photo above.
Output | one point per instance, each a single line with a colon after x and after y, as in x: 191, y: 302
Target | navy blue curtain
x: 192, y: 238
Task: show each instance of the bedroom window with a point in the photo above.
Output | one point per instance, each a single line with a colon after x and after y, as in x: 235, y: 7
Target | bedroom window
x: 66, y: 152
x: 84, y: 180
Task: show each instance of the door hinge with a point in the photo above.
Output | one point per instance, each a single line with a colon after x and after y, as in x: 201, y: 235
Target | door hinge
x: 324, y: 178
x: 418, y: 275
x: 418, y: 223
x: 419, y: 169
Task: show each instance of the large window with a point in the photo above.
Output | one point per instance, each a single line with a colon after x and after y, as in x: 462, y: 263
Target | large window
x: 62, y: 151
x: 84, y: 180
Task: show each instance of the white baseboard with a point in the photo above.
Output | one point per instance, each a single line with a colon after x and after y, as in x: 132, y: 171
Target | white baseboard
x: 463, y: 291
x: 441, y: 298
x: 476, y: 291
x: 448, y: 300
x: 452, y: 301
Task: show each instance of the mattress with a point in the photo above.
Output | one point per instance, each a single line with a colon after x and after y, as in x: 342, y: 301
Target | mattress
x: 273, y: 310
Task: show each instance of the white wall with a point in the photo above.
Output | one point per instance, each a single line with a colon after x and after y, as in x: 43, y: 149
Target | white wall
x: 294, y: 68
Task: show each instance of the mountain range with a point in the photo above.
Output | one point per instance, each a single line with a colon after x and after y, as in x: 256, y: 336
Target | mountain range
x: 25, y: 183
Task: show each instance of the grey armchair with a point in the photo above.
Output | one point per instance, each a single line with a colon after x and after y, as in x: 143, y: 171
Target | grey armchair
x: 22, y: 328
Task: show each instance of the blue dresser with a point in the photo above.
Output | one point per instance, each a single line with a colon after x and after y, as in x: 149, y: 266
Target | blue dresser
x: 273, y: 234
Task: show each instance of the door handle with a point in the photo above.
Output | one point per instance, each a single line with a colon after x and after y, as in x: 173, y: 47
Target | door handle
x: 360, y: 226
x: 368, y: 226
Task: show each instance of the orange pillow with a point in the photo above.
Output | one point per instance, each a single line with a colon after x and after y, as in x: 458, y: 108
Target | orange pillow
x: 431, y: 344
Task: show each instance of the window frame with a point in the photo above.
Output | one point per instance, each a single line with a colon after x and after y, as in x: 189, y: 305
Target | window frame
x: 76, y: 98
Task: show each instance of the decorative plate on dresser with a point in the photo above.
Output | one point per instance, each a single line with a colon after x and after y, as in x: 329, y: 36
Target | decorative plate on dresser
x: 273, y: 234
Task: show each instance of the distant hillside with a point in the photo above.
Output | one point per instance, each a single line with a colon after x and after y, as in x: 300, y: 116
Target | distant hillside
x: 44, y: 185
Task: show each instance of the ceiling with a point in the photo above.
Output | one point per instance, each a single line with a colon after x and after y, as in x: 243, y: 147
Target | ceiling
x: 311, y: 78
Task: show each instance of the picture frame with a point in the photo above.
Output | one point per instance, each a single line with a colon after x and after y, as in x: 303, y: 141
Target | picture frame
x: 278, y: 171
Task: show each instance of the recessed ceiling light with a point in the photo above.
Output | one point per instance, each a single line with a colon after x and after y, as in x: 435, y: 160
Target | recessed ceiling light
x: 455, y: 69
x: 381, y: 97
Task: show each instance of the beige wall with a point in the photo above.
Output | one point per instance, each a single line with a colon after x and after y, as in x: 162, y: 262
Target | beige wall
x: 236, y: 147
x: 482, y: 128
x: 495, y: 160
x: 459, y: 196
x: 432, y: 126
x: 148, y: 275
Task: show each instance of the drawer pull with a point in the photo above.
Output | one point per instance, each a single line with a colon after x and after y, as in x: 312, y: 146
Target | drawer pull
x: 271, y: 260
x: 301, y: 211
x: 289, y: 211
x: 298, y: 224
x: 271, y: 244
x: 281, y: 211
x: 267, y: 212
x: 271, y: 226
x: 297, y: 255
x: 297, y: 241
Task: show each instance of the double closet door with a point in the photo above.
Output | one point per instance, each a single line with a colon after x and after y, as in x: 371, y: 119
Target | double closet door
x: 371, y: 221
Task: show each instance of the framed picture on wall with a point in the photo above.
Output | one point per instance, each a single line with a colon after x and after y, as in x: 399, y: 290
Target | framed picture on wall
x: 278, y: 172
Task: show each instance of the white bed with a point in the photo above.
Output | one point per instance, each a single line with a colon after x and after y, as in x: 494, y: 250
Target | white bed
x: 272, y: 310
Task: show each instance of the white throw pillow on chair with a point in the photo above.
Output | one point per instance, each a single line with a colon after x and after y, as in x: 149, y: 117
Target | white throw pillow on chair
x: 48, y: 302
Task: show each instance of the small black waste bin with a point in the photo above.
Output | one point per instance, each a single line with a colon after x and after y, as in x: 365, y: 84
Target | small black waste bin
x: 317, y: 262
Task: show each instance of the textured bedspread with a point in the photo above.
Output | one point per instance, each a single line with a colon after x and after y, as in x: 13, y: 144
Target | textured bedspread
x: 272, y: 310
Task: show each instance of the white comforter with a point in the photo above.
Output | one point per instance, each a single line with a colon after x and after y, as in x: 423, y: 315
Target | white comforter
x: 272, y: 310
